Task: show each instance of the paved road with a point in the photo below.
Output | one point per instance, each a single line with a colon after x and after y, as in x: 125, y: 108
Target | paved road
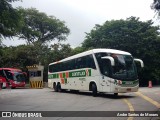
x: 147, y: 99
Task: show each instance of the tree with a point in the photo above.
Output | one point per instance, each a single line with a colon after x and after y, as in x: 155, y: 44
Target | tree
x: 156, y: 5
x: 19, y: 56
x: 60, y: 51
x: 132, y: 35
x: 77, y: 50
x: 9, y: 19
x: 38, y: 27
x: 26, y: 55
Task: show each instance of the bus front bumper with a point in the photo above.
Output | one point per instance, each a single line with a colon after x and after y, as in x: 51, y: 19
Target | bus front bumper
x: 119, y: 89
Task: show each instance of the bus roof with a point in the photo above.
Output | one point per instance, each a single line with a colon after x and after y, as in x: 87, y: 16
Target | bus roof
x: 11, y: 69
x: 91, y: 52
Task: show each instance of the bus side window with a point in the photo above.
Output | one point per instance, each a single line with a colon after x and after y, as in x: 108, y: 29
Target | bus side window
x: 76, y: 63
x: 65, y: 66
x: 90, y: 62
x: 54, y: 68
x: 85, y: 62
x: 80, y: 63
x: 68, y: 65
x: 58, y: 67
x: 50, y: 68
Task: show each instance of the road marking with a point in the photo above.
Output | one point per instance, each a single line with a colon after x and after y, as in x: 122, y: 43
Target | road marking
x: 131, y: 109
x: 149, y: 99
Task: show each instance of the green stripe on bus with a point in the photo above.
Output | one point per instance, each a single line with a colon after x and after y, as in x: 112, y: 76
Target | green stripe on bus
x: 64, y: 75
x: 78, y: 73
x: 52, y: 76
x: 65, y: 80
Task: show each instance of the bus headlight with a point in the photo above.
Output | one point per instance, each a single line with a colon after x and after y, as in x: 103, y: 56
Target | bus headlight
x: 119, y: 82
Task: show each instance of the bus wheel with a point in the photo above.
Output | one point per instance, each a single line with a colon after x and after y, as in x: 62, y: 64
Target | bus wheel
x: 59, y: 87
x: 55, y: 87
x: 1, y: 85
x: 115, y: 94
x: 13, y: 87
x: 94, y: 90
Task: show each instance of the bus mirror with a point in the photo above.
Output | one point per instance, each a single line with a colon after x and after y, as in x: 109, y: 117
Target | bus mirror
x: 109, y: 58
x: 141, y: 62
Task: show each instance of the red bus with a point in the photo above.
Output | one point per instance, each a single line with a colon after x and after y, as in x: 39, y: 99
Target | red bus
x: 12, y: 77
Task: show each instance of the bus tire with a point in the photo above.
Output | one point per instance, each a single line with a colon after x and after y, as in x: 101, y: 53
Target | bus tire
x: 59, y: 87
x: 55, y: 87
x: 13, y: 87
x: 94, y: 90
x: 1, y: 85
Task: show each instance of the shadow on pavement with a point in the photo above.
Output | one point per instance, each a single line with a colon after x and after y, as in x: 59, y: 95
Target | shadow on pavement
x: 103, y: 95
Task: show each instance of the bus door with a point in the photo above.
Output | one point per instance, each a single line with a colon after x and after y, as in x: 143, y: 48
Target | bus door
x: 2, y: 82
x: 105, y: 69
x: 4, y: 79
x: 105, y: 84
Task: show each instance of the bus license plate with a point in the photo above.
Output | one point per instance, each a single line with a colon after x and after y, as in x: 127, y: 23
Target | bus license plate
x: 128, y: 89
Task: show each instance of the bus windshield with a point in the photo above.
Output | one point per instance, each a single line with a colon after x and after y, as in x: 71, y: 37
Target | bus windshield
x: 8, y: 74
x: 19, y: 77
x: 124, y: 68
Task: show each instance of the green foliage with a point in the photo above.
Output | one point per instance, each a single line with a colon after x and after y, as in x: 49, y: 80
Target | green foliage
x: 26, y: 55
x: 36, y: 28
x: 155, y: 5
x: 139, y: 38
x: 9, y: 19
x: 40, y: 27
x: 18, y: 56
x: 78, y: 50
x: 60, y: 51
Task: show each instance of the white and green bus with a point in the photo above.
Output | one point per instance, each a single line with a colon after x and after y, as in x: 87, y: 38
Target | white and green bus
x: 97, y: 70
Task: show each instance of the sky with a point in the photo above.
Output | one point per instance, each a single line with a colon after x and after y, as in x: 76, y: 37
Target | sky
x: 80, y: 16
